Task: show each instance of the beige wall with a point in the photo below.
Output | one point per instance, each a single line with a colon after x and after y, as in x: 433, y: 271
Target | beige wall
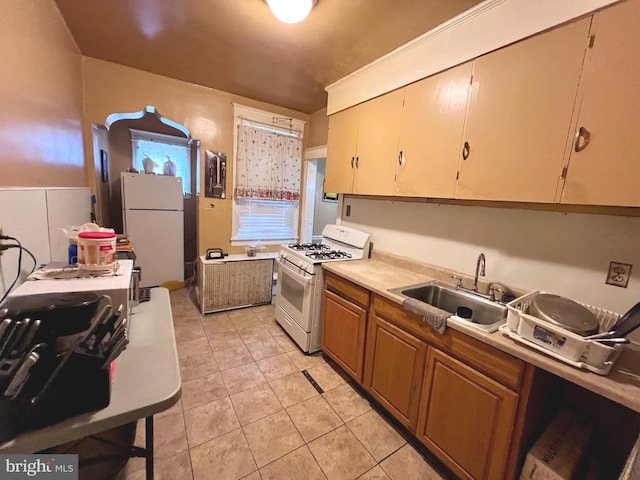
x: 563, y: 253
x: 40, y: 98
x: 318, y: 128
x: 207, y: 113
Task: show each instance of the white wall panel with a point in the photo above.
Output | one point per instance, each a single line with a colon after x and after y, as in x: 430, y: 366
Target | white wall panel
x: 23, y: 215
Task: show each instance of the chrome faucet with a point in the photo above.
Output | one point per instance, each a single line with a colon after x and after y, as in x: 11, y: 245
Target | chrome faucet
x: 479, y: 271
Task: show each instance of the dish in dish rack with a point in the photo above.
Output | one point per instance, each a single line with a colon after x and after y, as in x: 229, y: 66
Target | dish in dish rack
x: 559, y: 343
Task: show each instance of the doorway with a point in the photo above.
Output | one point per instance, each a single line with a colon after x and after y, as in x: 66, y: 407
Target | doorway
x: 319, y: 207
x: 116, y: 143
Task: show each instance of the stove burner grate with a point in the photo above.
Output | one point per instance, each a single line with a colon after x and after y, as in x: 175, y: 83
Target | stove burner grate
x: 308, y: 247
x: 330, y: 255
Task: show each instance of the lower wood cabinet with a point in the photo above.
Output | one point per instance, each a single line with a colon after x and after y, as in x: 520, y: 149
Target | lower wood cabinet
x: 394, y: 369
x: 472, y: 405
x: 344, y: 325
x: 466, y: 418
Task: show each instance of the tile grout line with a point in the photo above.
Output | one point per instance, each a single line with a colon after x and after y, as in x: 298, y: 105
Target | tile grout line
x: 310, y: 378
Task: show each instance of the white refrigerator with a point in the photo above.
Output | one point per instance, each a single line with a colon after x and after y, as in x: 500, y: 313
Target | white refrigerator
x: 153, y: 217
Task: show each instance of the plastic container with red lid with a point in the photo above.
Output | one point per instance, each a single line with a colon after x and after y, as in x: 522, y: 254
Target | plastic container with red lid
x: 96, y: 250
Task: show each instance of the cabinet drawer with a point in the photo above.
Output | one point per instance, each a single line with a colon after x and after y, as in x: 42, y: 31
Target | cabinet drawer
x: 494, y: 363
x: 347, y: 289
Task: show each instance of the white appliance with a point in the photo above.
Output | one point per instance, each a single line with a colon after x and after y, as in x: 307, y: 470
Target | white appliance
x: 301, y: 280
x: 153, y: 217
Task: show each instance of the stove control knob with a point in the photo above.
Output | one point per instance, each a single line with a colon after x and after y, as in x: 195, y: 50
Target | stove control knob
x: 283, y: 254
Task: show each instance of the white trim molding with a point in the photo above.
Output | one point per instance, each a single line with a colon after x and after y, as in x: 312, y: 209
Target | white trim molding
x: 315, y: 153
x: 148, y: 110
x: 488, y: 26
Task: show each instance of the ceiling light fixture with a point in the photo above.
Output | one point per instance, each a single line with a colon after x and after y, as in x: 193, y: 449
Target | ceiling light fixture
x: 291, y: 11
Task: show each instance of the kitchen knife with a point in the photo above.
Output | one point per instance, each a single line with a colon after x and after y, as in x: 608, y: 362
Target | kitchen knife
x: 627, y: 323
x: 116, y: 351
x: 21, y: 376
x: 4, y: 327
x: 27, y: 338
x: 119, y: 332
x: 19, y: 338
x: 97, y: 322
x: 120, y: 324
x: 105, y: 328
x: 9, y: 339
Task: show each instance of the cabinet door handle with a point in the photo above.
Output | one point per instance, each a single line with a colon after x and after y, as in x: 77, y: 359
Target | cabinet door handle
x: 400, y: 158
x: 357, y: 161
x: 352, y: 162
x: 466, y: 149
x: 583, y: 137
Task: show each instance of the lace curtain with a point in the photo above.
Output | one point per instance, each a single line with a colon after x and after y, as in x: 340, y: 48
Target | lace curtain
x: 267, y: 164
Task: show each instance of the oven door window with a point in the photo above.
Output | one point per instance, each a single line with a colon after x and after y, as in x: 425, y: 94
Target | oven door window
x: 292, y: 291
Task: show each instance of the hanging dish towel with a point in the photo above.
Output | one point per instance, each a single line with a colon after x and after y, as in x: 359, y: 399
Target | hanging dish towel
x: 433, y: 316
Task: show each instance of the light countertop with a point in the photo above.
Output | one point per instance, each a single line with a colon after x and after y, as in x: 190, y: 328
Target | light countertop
x: 379, y: 276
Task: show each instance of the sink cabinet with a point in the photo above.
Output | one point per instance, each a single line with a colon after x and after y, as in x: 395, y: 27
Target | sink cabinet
x: 472, y: 405
x: 466, y: 418
x: 467, y: 402
x: 344, y: 323
x: 394, y: 369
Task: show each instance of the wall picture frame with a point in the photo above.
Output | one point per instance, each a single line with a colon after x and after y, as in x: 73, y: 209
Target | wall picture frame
x: 215, y: 180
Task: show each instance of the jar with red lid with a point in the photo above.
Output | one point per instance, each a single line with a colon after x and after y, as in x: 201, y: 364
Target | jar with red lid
x: 96, y: 250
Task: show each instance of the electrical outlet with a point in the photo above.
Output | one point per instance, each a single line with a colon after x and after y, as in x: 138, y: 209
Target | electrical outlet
x: 619, y: 274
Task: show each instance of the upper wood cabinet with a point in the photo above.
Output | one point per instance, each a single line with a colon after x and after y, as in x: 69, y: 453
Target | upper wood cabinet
x: 520, y: 108
x: 431, y: 134
x: 362, y: 148
x: 545, y: 120
x: 606, y: 170
x: 341, y: 150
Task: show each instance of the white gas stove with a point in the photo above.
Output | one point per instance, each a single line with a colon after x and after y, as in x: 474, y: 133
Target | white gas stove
x: 300, y: 280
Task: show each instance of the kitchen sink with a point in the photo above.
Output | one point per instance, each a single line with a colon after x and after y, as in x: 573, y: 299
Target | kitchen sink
x: 485, y: 314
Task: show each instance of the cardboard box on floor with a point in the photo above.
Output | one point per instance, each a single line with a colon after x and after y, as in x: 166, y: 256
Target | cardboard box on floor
x: 558, y: 453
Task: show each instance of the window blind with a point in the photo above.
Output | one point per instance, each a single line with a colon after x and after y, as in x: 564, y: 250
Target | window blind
x: 260, y: 219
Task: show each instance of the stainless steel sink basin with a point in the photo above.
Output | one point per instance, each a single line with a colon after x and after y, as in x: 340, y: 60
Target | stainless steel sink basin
x: 485, y: 314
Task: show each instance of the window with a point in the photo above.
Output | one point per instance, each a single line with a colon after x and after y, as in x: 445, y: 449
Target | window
x: 267, y: 166
x: 162, y: 154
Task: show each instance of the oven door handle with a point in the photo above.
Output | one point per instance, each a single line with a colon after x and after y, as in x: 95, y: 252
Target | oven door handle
x: 295, y: 275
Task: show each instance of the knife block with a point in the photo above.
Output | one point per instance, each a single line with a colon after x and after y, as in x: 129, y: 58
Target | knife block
x: 61, y: 387
x: 78, y: 385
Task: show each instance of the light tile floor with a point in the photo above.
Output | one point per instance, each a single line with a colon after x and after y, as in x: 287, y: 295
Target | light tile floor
x: 247, y: 411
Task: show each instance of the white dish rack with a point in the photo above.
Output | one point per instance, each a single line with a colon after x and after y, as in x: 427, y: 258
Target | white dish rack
x: 558, y: 342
